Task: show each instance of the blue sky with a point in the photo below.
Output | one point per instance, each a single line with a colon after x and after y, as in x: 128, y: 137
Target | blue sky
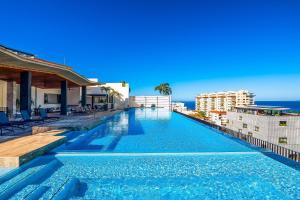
x: 197, y: 46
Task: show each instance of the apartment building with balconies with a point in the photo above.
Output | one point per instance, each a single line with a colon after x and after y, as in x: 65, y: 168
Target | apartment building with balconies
x: 223, y: 101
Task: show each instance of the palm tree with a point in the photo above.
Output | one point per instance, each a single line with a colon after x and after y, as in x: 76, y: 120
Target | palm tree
x: 164, y: 88
x: 107, y: 89
x: 115, y: 93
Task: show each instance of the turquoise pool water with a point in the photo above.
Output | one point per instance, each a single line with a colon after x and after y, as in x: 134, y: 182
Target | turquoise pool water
x: 149, y: 130
x: 152, y: 154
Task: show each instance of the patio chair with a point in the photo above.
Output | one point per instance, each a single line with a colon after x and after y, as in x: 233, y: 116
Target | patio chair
x: 5, y: 124
x: 26, y: 117
x: 44, y: 116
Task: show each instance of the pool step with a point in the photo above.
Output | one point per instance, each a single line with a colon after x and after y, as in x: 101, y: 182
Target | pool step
x: 25, y: 191
x: 67, y: 189
x: 36, y: 194
x: 28, y: 166
x: 82, y: 139
x: 62, y: 190
x: 17, y: 183
x: 105, y: 141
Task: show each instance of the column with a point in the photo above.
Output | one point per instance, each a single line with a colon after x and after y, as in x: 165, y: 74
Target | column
x: 25, y: 91
x: 93, y: 101
x: 11, y: 97
x: 64, y: 97
x: 83, y: 96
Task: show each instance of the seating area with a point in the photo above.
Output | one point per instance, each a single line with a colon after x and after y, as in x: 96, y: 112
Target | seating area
x: 23, y: 122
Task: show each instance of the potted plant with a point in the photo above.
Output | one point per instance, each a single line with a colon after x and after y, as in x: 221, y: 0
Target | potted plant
x: 123, y: 83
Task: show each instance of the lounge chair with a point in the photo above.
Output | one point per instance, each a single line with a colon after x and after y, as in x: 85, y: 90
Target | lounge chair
x: 79, y: 110
x: 5, y: 124
x: 44, y: 115
x: 88, y: 109
x: 26, y: 117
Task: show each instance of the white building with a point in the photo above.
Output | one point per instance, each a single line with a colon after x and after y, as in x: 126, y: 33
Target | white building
x: 124, y: 90
x: 223, y: 101
x: 218, y: 117
x: 98, y: 95
x: 271, y: 124
x: 178, y: 106
x: 150, y: 101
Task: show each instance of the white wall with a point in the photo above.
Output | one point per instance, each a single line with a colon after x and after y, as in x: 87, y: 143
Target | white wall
x: 73, y: 96
x: 40, y: 97
x: 269, y: 129
x: 148, y: 101
x: 37, y: 96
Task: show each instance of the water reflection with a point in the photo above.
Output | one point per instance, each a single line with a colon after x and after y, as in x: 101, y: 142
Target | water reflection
x: 152, y: 114
x: 108, y: 135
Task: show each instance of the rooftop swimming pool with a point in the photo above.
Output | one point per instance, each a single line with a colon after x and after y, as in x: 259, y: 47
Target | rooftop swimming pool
x: 152, y: 154
x: 149, y: 131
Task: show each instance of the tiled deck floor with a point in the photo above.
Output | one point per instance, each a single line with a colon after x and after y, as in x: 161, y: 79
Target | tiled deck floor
x: 15, y: 152
x: 18, y: 149
x: 81, y: 122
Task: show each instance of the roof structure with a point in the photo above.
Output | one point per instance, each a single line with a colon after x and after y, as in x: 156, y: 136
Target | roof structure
x: 218, y: 112
x: 256, y: 107
x: 12, y: 62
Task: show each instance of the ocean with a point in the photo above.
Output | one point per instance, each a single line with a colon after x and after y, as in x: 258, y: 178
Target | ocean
x: 293, y: 105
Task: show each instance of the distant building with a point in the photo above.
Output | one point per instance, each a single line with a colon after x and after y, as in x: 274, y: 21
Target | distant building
x: 218, y: 117
x: 178, y: 106
x: 223, y: 101
x: 267, y: 123
x: 150, y: 101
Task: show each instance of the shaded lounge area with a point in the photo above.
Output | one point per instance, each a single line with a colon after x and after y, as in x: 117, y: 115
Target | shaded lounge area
x: 28, y: 83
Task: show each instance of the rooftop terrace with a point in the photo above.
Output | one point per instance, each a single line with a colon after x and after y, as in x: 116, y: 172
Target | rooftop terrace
x: 263, y: 110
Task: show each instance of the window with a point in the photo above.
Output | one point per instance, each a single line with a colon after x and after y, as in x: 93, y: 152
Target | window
x: 240, y: 118
x: 100, y: 99
x: 282, y: 123
x: 256, y: 128
x: 244, y: 125
x: 250, y: 134
x: 52, y: 98
x: 282, y: 140
x: 240, y: 130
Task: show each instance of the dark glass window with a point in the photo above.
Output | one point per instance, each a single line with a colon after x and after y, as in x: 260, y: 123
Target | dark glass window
x: 52, y: 98
x: 282, y: 123
x: 282, y: 140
